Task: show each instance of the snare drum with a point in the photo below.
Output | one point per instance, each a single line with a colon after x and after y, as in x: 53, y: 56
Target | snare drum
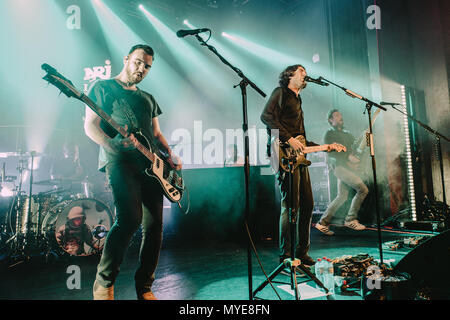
x: 78, y: 226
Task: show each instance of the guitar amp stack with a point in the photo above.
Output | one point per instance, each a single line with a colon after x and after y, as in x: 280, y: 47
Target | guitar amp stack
x: 320, y: 181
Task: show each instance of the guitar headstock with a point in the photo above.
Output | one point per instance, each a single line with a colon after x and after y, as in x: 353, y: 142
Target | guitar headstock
x: 65, y: 85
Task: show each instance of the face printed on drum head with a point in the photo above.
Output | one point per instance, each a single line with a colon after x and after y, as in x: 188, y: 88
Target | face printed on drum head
x: 77, y: 222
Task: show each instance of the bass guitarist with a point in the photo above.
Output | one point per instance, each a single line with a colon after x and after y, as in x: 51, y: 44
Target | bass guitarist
x: 283, y: 112
x: 344, y: 168
x: 138, y: 199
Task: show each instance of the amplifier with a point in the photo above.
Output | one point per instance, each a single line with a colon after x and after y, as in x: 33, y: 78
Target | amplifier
x: 320, y: 183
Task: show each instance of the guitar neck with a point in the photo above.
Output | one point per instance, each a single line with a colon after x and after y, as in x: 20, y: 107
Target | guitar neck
x: 323, y: 147
x: 106, y: 117
x: 119, y: 129
x: 363, y: 142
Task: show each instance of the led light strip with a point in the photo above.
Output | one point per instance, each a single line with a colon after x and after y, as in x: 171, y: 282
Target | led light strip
x: 411, y: 191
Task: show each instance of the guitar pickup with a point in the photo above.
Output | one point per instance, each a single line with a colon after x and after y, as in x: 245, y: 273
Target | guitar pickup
x: 172, y: 190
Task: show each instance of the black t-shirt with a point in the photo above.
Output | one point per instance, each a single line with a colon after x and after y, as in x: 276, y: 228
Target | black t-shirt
x: 343, y: 137
x: 136, y: 109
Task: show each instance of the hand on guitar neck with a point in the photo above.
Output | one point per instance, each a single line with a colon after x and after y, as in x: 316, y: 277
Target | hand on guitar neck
x: 336, y: 147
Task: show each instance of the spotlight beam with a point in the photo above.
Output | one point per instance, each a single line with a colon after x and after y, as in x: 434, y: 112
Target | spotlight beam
x: 120, y: 37
x: 200, y: 72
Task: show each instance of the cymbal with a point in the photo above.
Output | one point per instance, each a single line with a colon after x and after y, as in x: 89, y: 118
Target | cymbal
x: 9, y: 178
x: 21, y: 154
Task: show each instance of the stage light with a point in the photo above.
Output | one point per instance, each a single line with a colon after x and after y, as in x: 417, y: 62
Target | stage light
x: 6, y: 192
x: 120, y: 38
x: 410, y: 173
x: 199, y: 70
x: 35, y: 111
x: 273, y: 57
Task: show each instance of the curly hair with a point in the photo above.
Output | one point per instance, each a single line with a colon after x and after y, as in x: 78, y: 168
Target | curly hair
x: 287, y: 74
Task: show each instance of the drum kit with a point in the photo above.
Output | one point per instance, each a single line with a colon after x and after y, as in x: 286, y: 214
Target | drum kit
x: 65, y: 220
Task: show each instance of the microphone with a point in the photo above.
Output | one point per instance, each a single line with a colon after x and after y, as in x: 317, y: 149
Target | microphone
x: 316, y: 81
x: 383, y: 103
x: 192, y: 32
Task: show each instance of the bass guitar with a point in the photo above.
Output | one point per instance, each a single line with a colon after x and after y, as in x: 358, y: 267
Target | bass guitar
x: 159, y: 168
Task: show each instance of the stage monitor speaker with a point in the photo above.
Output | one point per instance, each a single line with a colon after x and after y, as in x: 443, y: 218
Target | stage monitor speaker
x: 429, y: 263
x: 217, y: 204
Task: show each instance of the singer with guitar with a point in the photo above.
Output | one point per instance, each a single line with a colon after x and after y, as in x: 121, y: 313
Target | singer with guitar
x: 344, y: 166
x: 138, y: 199
x: 283, y: 112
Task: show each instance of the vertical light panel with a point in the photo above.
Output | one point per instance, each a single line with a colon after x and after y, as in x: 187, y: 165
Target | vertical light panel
x: 409, y: 167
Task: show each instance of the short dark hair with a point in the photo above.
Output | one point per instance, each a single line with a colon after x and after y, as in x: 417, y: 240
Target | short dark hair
x: 286, y: 75
x: 330, y: 114
x: 147, y: 49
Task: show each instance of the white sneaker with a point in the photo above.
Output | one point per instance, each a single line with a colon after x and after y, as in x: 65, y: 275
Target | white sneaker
x: 355, y: 225
x: 324, y: 229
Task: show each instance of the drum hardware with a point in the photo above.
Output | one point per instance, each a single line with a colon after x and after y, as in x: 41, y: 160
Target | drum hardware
x: 51, y: 233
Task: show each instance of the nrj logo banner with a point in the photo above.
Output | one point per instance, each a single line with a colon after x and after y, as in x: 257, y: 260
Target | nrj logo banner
x: 98, y: 72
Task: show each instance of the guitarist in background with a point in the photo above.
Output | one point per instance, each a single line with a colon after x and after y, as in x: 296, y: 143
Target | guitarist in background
x: 138, y: 199
x: 343, y: 165
x: 283, y: 112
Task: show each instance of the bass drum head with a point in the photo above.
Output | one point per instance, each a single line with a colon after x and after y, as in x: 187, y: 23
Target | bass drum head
x: 78, y: 227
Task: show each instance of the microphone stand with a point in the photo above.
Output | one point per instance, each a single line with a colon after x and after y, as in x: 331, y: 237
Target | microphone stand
x: 438, y: 137
x: 369, y: 105
x: 243, y: 85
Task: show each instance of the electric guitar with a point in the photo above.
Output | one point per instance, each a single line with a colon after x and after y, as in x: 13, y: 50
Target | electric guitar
x: 362, y: 143
x: 282, y: 151
x: 159, y: 168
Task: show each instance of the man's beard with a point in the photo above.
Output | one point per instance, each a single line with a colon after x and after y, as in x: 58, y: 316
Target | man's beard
x: 133, y: 78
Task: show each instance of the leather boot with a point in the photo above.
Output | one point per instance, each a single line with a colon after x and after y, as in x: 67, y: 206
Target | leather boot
x: 146, y: 296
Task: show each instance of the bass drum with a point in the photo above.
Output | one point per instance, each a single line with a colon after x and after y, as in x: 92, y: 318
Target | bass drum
x: 78, y: 227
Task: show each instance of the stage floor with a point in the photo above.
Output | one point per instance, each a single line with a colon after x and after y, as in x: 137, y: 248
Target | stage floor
x: 191, y: 271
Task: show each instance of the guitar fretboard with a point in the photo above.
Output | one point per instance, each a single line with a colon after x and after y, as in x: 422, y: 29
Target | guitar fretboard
x: 315, y: 149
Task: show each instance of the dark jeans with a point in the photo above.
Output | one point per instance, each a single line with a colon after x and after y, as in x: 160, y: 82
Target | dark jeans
x: 138, y: 200
x: 303, y: 204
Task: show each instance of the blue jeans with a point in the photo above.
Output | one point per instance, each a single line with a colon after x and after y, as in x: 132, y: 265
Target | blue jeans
x: 346, y: 180
x: 139, y: 201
